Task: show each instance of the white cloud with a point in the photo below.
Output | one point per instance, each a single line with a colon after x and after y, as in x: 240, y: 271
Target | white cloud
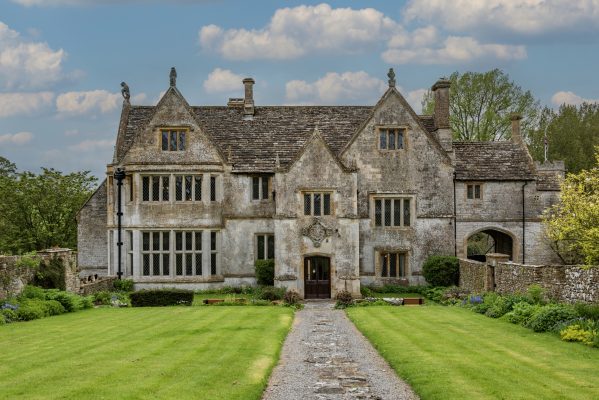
x: 570, y: 98
x: 523, y: 17
x: 345, y: 88
x: 85, y: 102
x: 335, y: 87
x: 71, y: 132
x: 23, y: 103
x: 454, y: 49
x: 26, y: 64
x: 92, y: 145
x: 18, y: 139
x: 223, y: 80
x: 293, y: 32
x: 139, y: 98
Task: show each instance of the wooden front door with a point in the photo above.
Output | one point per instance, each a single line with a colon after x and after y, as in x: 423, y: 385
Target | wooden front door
x: 317, y: 278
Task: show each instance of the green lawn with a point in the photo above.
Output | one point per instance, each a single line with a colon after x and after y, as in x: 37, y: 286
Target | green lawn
x: 397, y: 295
x: 143, y: 353
x: 453, y: 353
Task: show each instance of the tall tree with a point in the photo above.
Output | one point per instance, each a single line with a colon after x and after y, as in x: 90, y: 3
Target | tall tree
x: 572, y: 133
x: 481, y: 105
x: 573, y: 224
x: 38, y: 211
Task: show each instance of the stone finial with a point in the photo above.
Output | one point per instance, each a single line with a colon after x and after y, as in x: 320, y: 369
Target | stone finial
x: 391, y: 76
x: 173, y: 77
x: 229, y: 156
x: 277, y: 161
x: 125, y: 91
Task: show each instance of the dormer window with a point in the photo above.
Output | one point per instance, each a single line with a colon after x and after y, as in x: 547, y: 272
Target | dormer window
x: 391, y: 138
x: 173, y: 139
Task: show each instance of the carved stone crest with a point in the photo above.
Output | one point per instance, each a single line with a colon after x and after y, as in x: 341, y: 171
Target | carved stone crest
x: 317, y: 232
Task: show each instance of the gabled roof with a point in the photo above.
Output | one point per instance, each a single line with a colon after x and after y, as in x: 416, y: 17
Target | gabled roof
x: 503, y: 161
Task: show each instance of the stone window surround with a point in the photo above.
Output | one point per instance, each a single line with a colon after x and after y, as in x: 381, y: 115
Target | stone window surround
x: 266, y: 246
x: 392, y: 196
x: 261, y: 178
x: 322, y: 192
x: 378, y: 268
x: 179, y: 130
x: 473, y: 184
x: 206, y: 255
x: 138, y: 182
x: 405, y: 128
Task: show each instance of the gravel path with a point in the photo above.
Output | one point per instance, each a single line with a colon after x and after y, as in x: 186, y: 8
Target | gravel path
x: 326, y: 357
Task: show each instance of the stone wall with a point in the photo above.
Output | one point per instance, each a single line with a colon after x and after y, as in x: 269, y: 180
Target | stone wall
x: 569, y: 283
x: 91, y: 234
x: 472, y: 275
x: 14, y: 277
x: 98, y: 285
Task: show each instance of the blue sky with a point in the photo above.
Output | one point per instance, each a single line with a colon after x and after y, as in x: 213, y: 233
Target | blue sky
x: 62, y: 61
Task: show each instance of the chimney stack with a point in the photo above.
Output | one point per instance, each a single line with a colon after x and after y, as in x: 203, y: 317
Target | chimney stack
x: 441, y: 94
x: 248, y: 101
x: 516, y: 135
x: 441, y: 113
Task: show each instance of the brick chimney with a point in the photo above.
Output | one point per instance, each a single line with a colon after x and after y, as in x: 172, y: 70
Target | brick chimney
x: 248, y: 101
x: 516, y: 135
x: 441, y: 113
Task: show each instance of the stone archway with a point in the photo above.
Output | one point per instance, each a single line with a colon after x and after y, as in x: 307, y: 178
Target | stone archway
x: 489, y: 240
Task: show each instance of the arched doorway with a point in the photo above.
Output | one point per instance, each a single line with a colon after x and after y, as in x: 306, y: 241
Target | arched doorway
x: 487, y: 241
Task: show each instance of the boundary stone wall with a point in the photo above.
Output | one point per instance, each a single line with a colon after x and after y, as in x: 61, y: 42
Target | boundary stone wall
x: 568, y: 283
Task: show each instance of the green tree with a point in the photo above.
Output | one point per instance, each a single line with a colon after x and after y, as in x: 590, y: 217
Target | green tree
x: 573, y: 224
x: 572, y: 133
x: 480, y: 105
x: 7, y: 168
x: 38, y: 211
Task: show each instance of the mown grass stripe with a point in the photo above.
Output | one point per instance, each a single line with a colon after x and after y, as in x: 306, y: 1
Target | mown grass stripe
x: 447, y: 353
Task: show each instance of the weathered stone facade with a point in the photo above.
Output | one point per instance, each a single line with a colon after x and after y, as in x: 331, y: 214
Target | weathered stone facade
x: 569, y: 283
x: 320, y: 183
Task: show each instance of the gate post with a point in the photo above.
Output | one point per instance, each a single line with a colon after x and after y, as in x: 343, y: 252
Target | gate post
x: 493, y: 259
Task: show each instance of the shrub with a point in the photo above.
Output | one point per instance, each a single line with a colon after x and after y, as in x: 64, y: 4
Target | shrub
x: 291, y: 297
x: 576, y: 333
x: 344, y: 299
x: 588, y: 311
x: 53, y: 307
x: 504, y: 304
x: 441, y: 270
x: 434, y: 293
x: 265, y: 272
x: 31, y: 310
x: 33, y: 292
x: 488, y: 300
x: 270, y: 293
x: 161, y: 297
x: 521, y: 312
x: 536, y: 294
x: 545, y: 318
x: 10, y: 314
x: 124, y: 285
x: 86, y: 302
x: 366, y: 291
x: 102, y: 298
x: 70, y: 301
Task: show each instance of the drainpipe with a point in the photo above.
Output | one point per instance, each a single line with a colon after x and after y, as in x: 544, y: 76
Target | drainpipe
x: 119, y: 175
x: 523, y: 226
x: 455, y: 221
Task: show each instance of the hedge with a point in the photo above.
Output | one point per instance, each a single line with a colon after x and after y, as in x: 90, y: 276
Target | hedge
x: 265, y: 272
x: 161, y: 297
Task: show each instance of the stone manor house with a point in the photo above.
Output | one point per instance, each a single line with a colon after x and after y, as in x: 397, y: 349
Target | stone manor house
x: 338, y: 196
